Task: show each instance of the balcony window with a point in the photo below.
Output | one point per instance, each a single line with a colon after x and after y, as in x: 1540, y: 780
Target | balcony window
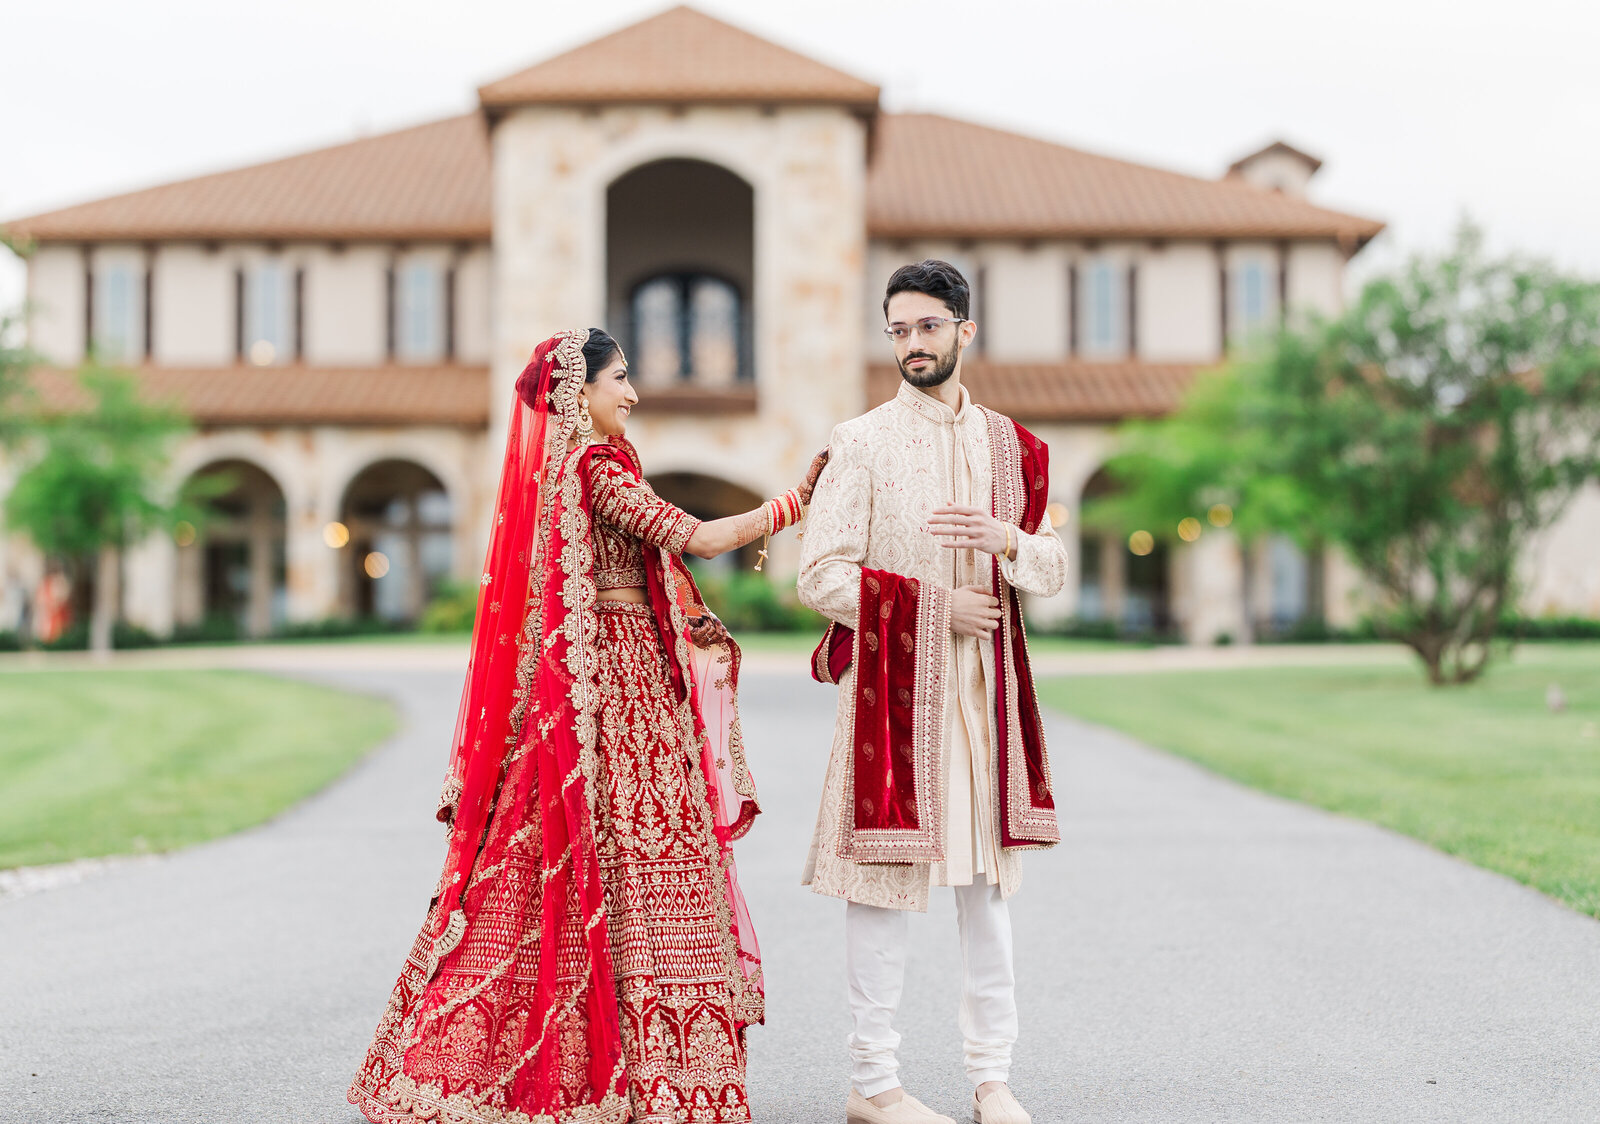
x: 688, y: 327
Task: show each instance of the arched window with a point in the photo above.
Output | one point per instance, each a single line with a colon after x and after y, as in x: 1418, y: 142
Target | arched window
x: 688, y: 327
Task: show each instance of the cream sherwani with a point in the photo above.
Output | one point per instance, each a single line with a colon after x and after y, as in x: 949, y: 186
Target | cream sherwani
x: 887, y: 471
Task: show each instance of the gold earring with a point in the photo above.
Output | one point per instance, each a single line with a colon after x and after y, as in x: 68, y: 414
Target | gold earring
x: 585, y: 422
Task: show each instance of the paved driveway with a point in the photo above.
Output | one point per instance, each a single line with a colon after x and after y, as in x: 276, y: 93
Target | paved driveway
x: 1193, y: 951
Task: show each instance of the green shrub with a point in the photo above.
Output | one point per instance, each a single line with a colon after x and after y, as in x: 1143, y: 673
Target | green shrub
x: 749, y: 602
x: 339, y: 626
x: 1314, y: 630
x: 75, y: 638
x: 1549, y: 628
x: 1075, y: 628
x: 218, y: 628
x: 453, y: 608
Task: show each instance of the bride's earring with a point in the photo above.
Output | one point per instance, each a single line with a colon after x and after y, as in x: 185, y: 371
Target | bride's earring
x: 585, y: 422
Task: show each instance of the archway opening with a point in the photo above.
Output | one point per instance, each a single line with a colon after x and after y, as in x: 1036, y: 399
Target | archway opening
x: 680, y: 273
x: 400, y: 521
x: 709, y: 497
x: 1127, y: 587
x: 232, y: 574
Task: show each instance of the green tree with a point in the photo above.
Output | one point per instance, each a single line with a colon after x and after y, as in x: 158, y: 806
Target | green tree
x: 92, y: 482
x: 1431, y: 430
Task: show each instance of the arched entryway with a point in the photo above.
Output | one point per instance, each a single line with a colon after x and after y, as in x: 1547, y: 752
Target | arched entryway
x: 680, y: 273
x: 232, y: 563
x: 398, y: 521
x: 709, y: 497
x: 1122, y: 578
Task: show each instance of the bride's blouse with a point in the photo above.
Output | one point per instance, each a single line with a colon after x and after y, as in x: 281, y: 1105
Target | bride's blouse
x: 629, y: 514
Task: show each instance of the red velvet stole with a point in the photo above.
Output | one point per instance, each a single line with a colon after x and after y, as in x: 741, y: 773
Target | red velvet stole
x: 896, y: 784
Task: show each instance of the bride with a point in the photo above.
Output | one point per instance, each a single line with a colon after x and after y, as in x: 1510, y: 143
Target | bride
x: 587, y: 956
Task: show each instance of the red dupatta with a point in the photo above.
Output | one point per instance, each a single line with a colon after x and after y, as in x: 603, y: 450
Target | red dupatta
x: 895, y: 788
x: 525, y: 748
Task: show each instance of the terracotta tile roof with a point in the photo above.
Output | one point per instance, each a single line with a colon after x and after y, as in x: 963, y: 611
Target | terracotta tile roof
x: 679, y: 56
x: 1072, y: 390
x: 387, y: 395
x: 434, y: 181
x: 429, y: 181
x: 934, y: 176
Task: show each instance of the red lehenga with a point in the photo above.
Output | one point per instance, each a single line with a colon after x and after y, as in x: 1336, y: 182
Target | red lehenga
x: 587, y: 957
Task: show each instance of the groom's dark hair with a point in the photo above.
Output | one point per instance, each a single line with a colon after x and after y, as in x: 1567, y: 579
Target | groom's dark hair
x: 939, y: 279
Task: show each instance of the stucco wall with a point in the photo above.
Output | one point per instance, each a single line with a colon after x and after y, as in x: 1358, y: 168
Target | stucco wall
x: 1179, y: 318
x: 474, y: 312
x: 1316, y: 277
x: 345, y: 303
x: 193, y: 306
x: 55, y: 303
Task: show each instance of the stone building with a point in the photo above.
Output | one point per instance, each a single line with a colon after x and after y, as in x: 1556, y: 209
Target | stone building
x: 344, y: 326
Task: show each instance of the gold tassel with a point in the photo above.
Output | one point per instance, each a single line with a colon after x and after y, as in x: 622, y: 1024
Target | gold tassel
x: 761, y: 555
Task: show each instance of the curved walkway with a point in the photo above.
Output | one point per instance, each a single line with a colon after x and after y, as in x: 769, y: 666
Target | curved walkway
x: 1193, y: 952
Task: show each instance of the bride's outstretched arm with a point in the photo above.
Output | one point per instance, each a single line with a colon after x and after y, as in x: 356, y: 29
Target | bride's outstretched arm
x: 718, y: 536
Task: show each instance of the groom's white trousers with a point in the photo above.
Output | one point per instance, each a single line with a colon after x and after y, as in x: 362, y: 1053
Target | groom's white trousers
x: 875, y: 963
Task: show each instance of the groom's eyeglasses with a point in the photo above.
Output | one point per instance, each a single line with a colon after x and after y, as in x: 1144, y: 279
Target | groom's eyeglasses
x: 928, y: 327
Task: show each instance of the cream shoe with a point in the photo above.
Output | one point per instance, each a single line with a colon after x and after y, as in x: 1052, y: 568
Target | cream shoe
x: 999, y: 1108
x: 906, y: 1110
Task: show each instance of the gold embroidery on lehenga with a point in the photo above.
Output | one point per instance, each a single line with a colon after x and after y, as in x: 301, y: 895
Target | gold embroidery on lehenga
x: 450, y: 1047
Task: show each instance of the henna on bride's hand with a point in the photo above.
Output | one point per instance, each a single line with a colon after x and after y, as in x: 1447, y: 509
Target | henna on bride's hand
x: 750, y: 526
x: 707, y: 630
x: 818, y: 463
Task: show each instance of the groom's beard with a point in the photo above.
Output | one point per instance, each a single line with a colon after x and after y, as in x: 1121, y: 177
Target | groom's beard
x: 943, y: 367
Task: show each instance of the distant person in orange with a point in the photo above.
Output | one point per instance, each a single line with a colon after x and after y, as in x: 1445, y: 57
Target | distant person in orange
x: 52, y: 606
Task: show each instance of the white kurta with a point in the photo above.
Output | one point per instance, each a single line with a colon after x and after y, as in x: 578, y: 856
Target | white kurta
x: 887, y: 471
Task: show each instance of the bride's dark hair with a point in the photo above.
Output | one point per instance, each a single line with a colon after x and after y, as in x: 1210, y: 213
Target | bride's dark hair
x: 598, y: 352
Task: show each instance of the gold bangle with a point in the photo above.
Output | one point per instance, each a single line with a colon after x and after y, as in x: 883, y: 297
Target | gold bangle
x: 1008, y: 543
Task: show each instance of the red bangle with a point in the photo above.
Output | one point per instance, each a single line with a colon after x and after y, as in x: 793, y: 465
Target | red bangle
x: 783, y: 511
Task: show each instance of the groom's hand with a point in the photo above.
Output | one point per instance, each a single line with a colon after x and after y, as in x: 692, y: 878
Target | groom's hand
x: 974, y: 612
x: 967, y: 528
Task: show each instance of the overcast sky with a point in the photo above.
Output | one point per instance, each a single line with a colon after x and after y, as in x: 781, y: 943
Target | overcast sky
x: 1421, y: 109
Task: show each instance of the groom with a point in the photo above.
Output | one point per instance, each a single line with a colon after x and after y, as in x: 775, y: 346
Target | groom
x: 928, y: 520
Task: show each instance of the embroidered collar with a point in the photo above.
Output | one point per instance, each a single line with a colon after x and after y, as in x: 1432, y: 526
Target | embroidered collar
x: 931, y: 408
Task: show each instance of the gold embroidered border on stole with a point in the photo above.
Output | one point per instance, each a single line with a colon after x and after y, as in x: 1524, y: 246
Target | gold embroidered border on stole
x: 1038, y: 826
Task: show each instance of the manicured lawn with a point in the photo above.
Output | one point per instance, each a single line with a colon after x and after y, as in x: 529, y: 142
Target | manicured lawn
x: 1486, y: 772
x: 121, y: 761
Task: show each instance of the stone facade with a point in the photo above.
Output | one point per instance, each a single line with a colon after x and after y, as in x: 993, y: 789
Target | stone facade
x: 806, y: 168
